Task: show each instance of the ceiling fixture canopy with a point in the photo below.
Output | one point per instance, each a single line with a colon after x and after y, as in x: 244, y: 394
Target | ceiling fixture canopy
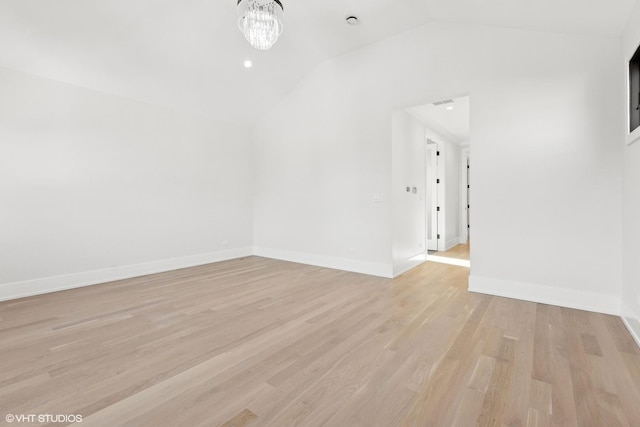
x: 260, y: 21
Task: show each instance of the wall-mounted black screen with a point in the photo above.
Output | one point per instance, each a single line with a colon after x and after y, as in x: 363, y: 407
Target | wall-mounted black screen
x: 634, y: 91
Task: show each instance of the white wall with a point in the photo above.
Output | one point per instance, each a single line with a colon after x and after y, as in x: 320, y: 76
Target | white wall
x: 449, y: 188
x: 631, y: 205
x: 452, y: 194
x: 409, y: 210
x: 95, y: 187
x: 546, y: 175
x: 323, y: 153
x: 545, y: 125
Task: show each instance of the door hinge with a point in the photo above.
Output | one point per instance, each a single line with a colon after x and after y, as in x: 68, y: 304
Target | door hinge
x: 438, y: 181
x: 438, y: 236
x: 437, y: 153
x: 438, y: 209
x: 468, y: 186
x: 468, y: 206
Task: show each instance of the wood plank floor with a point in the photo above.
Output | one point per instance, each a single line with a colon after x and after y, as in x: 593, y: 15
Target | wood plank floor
x: 460, y: 251
x: 258, y: 342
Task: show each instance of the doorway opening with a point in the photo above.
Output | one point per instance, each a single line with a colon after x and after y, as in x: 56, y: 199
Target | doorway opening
x: 447, y: 179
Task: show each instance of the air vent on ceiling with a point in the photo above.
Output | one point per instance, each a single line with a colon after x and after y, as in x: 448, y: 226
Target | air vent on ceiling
x: 446, y: 101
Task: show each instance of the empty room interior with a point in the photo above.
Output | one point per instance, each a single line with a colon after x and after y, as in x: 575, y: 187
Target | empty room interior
x: 320, y: 213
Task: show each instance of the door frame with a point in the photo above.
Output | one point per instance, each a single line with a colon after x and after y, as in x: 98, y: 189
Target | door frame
x: 465, y: 183
x: 433, y: 174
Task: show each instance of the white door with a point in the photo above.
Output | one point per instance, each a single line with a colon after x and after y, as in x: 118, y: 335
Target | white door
x: 465, y: 188
x: 432, y: 185
x: 468, y: 198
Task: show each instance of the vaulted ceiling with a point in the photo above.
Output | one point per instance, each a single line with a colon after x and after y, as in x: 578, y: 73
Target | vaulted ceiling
x: 189, y: 54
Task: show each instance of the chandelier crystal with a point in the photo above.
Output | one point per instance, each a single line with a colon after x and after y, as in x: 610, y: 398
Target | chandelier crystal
x: 260, y: 21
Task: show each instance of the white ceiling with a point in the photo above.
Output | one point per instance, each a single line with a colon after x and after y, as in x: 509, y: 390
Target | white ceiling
x: 188, y: 54
x: 450, y: 120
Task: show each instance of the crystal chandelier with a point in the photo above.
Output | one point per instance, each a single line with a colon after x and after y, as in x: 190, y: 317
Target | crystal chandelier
x: 260, y: 21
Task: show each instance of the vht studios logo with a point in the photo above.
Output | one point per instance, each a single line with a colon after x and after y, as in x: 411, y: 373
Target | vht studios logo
x: 43, y: 418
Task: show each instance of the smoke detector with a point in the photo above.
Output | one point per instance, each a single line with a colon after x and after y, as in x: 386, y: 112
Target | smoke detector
x: 352, y: 20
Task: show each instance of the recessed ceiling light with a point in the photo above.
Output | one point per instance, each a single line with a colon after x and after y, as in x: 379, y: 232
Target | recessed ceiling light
x: 247, y: 64
x: 352, y: 20
x: 449, y: 108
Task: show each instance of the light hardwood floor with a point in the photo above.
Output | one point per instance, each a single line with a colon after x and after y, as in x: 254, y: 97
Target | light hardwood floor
x: 258, y: 342
x: 459, y: 252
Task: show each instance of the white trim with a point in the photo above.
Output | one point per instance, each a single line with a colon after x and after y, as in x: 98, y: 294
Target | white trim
x: 441, y: 228
x: 632, y: 322
x: 451, y: 261
x: 9, y: 291
x: 633, y: 330
x: 634, y: 136
x: 563, y: 297
x: 345, y: 264
x: 451, y: 243
x: 465, y: 156
x: 432, y: 198
x: 409, y: 264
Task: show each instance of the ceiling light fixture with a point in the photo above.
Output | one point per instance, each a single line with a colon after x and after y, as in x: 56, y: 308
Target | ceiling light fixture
x: 352, y: 20
x: 260, y: 21
x: 247, y: 64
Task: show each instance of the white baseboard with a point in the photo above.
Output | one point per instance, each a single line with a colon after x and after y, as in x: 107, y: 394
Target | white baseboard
x: 451, y: 243
x: 450, y: 261
x: 632, y: 322
x: 356, y: 266
x: 408, y: 264
x: 563, y: 297
x: 9, y: 291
